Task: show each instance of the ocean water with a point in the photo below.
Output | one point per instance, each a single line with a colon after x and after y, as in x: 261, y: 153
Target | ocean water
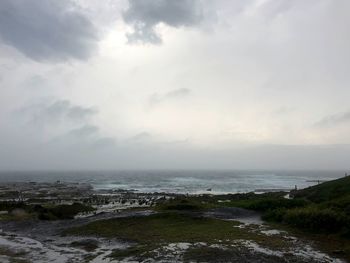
x: 192, y: 182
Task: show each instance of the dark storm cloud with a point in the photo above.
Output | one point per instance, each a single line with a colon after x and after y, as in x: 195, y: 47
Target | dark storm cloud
x: 145, y: 15
x: 334, y: 120
x: 47, y: 30
x: 57, y: 111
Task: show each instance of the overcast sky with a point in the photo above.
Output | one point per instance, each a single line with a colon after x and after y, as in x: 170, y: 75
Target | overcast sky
x: 185, y: 84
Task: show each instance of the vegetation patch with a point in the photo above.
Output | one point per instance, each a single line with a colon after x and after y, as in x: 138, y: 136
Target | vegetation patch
x: 20, y: 210
x: 11, y: 205
x: 168, y: 227
x: 87, y: 244
x: 321, y: 212
x: 326, y: 191
x: 316, y: 219
x: 61, y: 211
x: 324, y: 208
x: 267, y: 204
x: 138, y: 252
x: 231, y: 254
x: 158, y: 230
x: 182, y: 204
x: 211, y: 254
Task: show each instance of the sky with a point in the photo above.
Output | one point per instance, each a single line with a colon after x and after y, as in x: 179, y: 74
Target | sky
x: 185, y: 84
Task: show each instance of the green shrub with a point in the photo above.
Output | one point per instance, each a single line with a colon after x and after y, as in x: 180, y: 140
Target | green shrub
x: 61, y: 211
x: 277, y: 203
x: 316, y: 219
x: 9, y: 205
x: 180, y: 204
x: 69, y: 211
x: 324, y: 192
x: 275, y: 215
x: 340, y: 204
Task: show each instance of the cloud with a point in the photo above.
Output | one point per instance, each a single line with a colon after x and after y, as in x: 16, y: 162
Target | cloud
x: 283, y: 110
x: 145, y: 15
x: 84, y: 131
x: 86, y: 136
x: 334, y: 119
x: 141, y: 137
x: 56, y: 112
x: 47, y: 30
x: 171, y: 95
x: 178, y: 93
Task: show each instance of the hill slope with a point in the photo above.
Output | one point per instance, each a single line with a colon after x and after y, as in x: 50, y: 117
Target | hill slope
x: 328, y: 191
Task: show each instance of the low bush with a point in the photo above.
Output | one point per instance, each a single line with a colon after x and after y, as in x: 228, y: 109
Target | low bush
x: 268, y: 204
x: 61, y: 211
x: 180, y: 204
x: 9, y: 205
x: 316, y: 219
x: 275, y: 215
x: 69, y: 211
x: 277, y: 203
x: 324, y: 192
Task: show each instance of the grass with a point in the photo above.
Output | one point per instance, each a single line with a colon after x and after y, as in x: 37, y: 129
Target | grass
x: 172, y: 227
x: 224, y: 255
x: 321, y: 212
x: 326, y: 191
x: 89, y: 244
x: 138, y: 252
x: 162, y: 228
x: 315, y: 219
x: 210, y: 254
x: 183, y: 203
x: 258, y: 202
x: 324, y: 208
x: 154, y: 231
x: 302, y: 213
x: 324, y: 220
x: 267, y: 203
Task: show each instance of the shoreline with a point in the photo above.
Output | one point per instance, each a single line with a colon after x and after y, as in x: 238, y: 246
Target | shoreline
x: 51, y: 240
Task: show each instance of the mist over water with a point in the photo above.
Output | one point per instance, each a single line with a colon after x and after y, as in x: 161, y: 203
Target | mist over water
x: 178, y: 181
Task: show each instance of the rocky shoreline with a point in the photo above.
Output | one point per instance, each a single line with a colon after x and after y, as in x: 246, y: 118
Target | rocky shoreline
x: 29, y: 239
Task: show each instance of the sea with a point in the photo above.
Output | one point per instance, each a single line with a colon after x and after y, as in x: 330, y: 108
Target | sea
x: 181, y: 181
